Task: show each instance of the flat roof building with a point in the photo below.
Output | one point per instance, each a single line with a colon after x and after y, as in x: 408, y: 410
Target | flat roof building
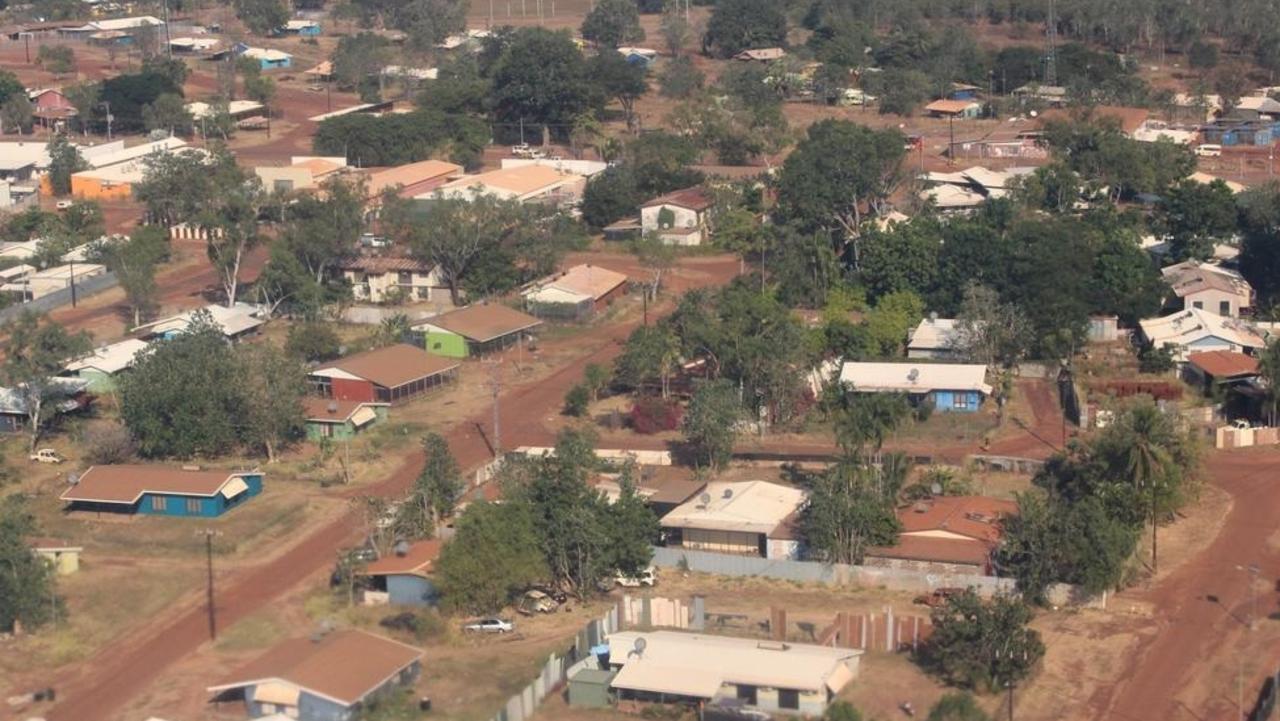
x: 751, y: 518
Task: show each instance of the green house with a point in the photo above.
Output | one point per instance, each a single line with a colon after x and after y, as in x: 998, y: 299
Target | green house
x: 339, y: 419
x: 101, y: 367
x: 475, y: 330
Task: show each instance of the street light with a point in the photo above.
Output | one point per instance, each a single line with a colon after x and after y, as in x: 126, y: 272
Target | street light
x: 1253, y: 570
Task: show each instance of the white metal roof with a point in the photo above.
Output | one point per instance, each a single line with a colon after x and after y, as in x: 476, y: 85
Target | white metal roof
x: 269, y: 54
x: 551, y: 294
x: 742, y: 506
x: 120, y: 154
x: 232, y: 321
x: 16, y: 156
x: 934, y: 334
x: 111, y: 358
x: 689, y: 664
x: 1193, y: 324
x: 120, y: 24
x: 201, y: 109
x: 914, y: 377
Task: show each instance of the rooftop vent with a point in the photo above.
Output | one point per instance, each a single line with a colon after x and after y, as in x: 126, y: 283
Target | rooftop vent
x: 401, y: 548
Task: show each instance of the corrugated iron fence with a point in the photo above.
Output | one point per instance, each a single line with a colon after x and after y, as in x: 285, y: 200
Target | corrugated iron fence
x: 558, y: 669
x: 58, y: 298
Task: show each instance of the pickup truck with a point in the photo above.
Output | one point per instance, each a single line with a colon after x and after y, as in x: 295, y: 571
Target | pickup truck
x: 45, y: 455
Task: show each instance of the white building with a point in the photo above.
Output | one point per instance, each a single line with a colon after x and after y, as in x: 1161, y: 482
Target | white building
x: 751, y: 518
x: 950, y: 387
x: 1209, y: 287
x: 235, y: 322
x: 934, y: 338
x: 1194, y: 330
x: 679, y: 218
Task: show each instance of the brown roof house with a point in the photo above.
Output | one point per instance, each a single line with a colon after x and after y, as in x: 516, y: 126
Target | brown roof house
x: 161, y: 490
x: 679, y: 218
x: 954, y: 109
x: 576, y: 294
x: 383, y: 279
x: 946, y: 534
x: 412, y: 179
x: 383, y: 375
x: 748, y: 518
x: 327, y: 677
x: 1215, y: 368
x: 403, y: 577
x: 475, y: 330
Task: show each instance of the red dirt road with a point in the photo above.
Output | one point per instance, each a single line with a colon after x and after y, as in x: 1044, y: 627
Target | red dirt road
x: 102, y: 684
x: 1196, y: 632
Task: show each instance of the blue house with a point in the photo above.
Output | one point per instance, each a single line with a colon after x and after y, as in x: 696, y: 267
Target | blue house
x: 161, y: 490
x: 405, y: 574
x: 268, y: 58
x: 961, y: 91
x: 950, y: 387
x: 322, y: 678
x: 302, y: 28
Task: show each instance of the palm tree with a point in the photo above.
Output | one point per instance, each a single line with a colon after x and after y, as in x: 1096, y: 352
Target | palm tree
x: 1270, y: 366
x: 1150, y: 460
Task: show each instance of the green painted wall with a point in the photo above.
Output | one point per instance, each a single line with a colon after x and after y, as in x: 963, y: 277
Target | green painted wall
x: 342, y: 431
x: 99, y: 382
x: 449, y: 345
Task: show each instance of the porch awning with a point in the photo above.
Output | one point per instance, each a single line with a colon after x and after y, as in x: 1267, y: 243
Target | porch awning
x: 234, y: 487
x: 363, y: 417
x: 277, y: 693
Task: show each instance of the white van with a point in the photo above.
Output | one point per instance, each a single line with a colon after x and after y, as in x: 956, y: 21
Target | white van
x: 1209, y: 150
x: 647, y: 577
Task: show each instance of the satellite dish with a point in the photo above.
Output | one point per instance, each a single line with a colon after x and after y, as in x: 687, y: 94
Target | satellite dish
x: 638, y: 648
x: 913, y: 375
x: 705, y: 498
x: 333, y: 406
x: 728, y: 493
x: 402, y: 548
x: 73, y: 478
x: 1032, y: 113
x: 936, y: 489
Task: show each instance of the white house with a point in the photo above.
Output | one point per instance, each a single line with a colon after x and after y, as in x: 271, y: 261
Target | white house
x: 376, y: 279
x: 1194, y: 330
x: 1209, y: 287
x: 934, y: 338
x: 750, y: 518
x: 679, y: 218
x: 950, y: 387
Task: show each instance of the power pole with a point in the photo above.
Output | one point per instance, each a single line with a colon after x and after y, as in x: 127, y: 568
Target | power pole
x: 168, y: 41
x: 495, y: 388
x: 208, y: 549
x: 1051, y: 53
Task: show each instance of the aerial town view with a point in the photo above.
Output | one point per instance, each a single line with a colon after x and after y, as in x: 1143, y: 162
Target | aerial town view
x: 577, y: 360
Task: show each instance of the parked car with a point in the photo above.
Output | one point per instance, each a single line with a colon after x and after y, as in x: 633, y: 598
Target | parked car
x: 535, y: 601
x: 46, y: 455
x: 938, y: 597
x: 1209, y: 150
x: 490, y: 625
x: 647, y: 577
x: 64, y: 204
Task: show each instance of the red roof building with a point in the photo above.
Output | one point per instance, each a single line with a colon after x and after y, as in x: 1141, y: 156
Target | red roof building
x: 384, y: 375
x: 949, y: 534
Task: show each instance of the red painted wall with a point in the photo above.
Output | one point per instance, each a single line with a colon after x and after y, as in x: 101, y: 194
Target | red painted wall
x: 349, y: 390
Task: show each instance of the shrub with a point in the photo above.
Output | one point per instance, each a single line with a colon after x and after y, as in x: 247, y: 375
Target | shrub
x: 108, y: 445
x: 655, y: 415
x: 576, y: 401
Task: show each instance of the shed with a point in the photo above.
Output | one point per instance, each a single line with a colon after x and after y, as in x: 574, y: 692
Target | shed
x: 62, y: 556
x: 385, y: 375
x: 101, y: 367
x: 577, y: 293
x: 589, y: 688
x: 405, y: 573
x: 954, y: 109
x: 161, y: 490
x: 475, y: 330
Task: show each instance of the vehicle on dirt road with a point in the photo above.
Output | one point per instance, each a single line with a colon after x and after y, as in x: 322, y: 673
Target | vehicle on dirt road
x: 490, y: 625
x: 647, y: 577
x: 46, y: 455
x: 535, y: 601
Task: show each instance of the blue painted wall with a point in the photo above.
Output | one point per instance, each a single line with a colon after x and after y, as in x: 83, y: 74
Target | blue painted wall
x: 956, y: 401
x: 208, y: 507
x: 314, y: 708
x: 410, y: 590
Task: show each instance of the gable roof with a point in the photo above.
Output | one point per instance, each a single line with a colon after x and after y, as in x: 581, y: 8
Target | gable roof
x: 391, y: 366
x: 380, y: 264
x: 1192, y: 324
x: 1192, y: 276
x: 482, y: 322
x: 914, y: 377
x: 589, y: 280
x: 125, y: 483
x: 695, y: 198
x: 761, y: 54
x: 976, y: 517
x: 233, y: 321
x: 1224, y: 363
x: 742, y: 506
x: 950, y: 107
x: 332, y: 410
x: 515, y: 182
x: 111, y: 358
x: 343, y: 666
x: 410, y: 174
x: 934, y: 334
x: 418, y: 560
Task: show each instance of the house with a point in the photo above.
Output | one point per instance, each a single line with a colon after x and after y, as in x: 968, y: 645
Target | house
x: 761, y: 55
x: 661, y: 492
x: 963, y: 91
x: 679, y: 218
x: 382, y: 278
x: 301, y: 28
x: 63, y: 557
x: 236, y: 322
x: 761, y: 676
x: 1153, y: 131
x: 68, y: 394
x: 1255, y: 107
x: 475, y: 330
x: 161, y: 490
x: 113, y: 25
x: 934, y: 338
x: 268, y: 59
x: 302, y: 173
x: 100, y: 368
x: 585, y: 168
x: 1055, y: 95
x: 529, y: 183
x: 1191, y: 330
x: 1200, y: 108
x: 954, y: 109
x: 578, y: 293
x: 112, y: 173
x: 40, y: 283
x: 1209, y: 287
x: 1209, y: 369
x: 644, y: 57
x: 21, y: 161
x: 411, y: 180
x: 339, y: 419
x: 190, y: 46
x: 385, y: 375
x: 322, y: 678
x: 967, y: 189
x: 946, y: 534
x: 950, y: 387
x: 1234, y: 131
x: 749, y: 518
x: 236, y: 109
x: 405, y: 574
x: 50, y: 107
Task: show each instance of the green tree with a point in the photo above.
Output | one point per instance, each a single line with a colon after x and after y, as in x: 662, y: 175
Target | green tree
x: 851, y: 508
x: 183, y: 397
x: 494, y: 556
x: 429, y: 22
x: 273, y: 386
x: 27, y: 585
x: 981, y: 645
x: 577, y: 401
x: 635, y: 528
x: 1193, y: 216
x: 901, y: 90
x: 127, y: 95
x: 541, y: 78
x: 1202, y: 55
x: 84, y: 97
x: 57, y: 59
x: 862, y: 421
x: 17, y: 113
x: 618, y: 79
x: 10, y: 85
x: 438, y: 489
x: 902, y: 258
x: 890, y: 320
x: 612, y: 23
x: 610, y: 196
x: 710, y: 425
x: 358, y: 56
x: 675, y: 30
x: 313, y: 342
x: 680, y: 79
x: 64, y: 159
x: 648, y: 359
x: 957, y: 707
x: 1260, y: 249
x: 737, y: 25
x: 133, y: 261
x: 168, y: 112
x: 35, y: 353
x: 1269, y: 365
x: 841, y: 710
x: 261, y: 16
x: 595, y: 378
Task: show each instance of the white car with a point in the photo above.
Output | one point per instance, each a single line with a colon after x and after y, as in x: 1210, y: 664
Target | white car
x: 64, y: 204
x: 1209, y: 150
x: 647, y: 577
x: 490, y: 625
x: 45, y: 455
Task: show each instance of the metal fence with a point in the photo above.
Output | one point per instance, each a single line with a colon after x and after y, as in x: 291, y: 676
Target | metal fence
x: 559, y: 669
x: 58, y: 298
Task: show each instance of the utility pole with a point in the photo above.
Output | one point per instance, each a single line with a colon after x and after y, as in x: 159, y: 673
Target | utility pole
x: 1051, y: 53
x: 107, y: 105
x: 168, y: 41
x: 495, y: 388
x: 208, y: 549
x: 72, y: 267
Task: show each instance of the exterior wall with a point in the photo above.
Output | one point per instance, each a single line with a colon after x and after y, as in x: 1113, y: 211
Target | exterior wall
x: 784, y: 548
x: 90, y: 188
x: 99, y: 382
x: 930, y: 353
x: 809, y: 703
x: 275, y: 64
x: 444, y: 343
x: 204, y: 507
x: 63, y: 562
x: 374, y: 287
x: 927, y: 567
x: 336, y: 431
x: 607, y: 299
x: 684, y: 217
x: 310, y: 708
x: 409, y: 590
x: 956, y: 401
x: 1210, y: 300
x: 353, y: 390
x: 696, y: 539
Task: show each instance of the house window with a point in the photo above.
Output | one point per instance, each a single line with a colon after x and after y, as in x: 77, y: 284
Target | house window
x: 159, y: 503
x: 960, y: 400
x: 788, y: 698
x: 1197, y: 304
x: 1224, y: 307
x: 405, y: 278
x: 747, y: 694
x: 193, y: 506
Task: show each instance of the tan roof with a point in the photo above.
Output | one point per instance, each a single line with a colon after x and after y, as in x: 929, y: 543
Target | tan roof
x: 519, y: 180
x: 332, y: 410
x: 949, y: 106
x: 696, y: 198
x: 319, y: 167
x: 42, y: 543
x: 483, y: 322
x: 343, y: 666
x: 1224, y: 363
x: 1192, y: 277
x: 393, y: 366
x: 126, y: 483
x: 589, y: 280
x: 384, y: 264
x: 976, y: 517
x: 411, y: 174
x: 936, y: 550
x: 742, y: 506
x: 418, y: 561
